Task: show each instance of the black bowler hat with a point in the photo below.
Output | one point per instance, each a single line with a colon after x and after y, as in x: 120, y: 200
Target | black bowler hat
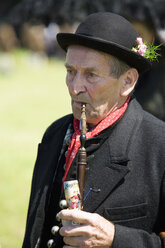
x: 109, y: 33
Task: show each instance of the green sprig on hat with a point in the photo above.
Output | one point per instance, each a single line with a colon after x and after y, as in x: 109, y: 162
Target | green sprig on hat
x: 151, y: 52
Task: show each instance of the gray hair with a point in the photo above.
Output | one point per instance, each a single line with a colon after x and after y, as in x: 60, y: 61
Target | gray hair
x: 117, y: 67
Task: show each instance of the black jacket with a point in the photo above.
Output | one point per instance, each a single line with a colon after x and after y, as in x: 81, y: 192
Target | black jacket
x: 128, y: 168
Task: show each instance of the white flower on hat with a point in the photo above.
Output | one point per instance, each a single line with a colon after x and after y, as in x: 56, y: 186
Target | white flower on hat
x: 149, y: 51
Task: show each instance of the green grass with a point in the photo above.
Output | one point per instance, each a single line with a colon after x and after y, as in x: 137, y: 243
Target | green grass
x: 32, y: 95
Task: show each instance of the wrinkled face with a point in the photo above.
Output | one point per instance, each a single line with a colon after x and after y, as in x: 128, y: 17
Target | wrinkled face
x: 89, y: 81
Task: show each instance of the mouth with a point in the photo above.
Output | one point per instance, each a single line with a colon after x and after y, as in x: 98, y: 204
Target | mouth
x: 77, y: 103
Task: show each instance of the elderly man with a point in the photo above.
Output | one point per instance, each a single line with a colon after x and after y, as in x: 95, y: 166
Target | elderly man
x: 124, y: 181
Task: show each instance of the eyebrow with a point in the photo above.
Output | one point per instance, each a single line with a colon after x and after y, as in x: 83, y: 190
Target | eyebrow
x: 86, y: 68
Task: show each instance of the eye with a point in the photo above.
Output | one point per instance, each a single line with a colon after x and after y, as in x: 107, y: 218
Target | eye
x: 91, y: 74
x: 69, y: 71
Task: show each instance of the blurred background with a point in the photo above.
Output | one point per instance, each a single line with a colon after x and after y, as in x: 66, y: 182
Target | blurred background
x: 32, y: 86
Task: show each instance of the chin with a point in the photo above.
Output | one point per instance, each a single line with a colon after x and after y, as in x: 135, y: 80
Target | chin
x: 92, y: 118
x: 92, y: 121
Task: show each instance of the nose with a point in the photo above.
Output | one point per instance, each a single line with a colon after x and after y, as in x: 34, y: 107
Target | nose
x: 76, y: 85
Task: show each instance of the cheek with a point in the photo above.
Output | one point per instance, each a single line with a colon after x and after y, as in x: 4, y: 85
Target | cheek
x: 95, y: 91
x: 106, y: 97
x: 99, y: 93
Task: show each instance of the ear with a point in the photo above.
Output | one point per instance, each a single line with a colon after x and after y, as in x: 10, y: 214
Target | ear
x: 129, y: 79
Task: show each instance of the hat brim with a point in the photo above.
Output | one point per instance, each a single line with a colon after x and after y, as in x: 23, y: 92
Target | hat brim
x: 130, y: 57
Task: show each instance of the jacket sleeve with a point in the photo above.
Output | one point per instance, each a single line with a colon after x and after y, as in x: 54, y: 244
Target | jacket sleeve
x: 127, y: 237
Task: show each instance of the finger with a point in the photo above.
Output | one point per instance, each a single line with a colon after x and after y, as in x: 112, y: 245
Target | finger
x: 78, y: 230
x: 77, y: 216
x: 75, y: 241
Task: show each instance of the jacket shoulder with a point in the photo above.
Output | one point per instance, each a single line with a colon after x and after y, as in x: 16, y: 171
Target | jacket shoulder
x: 148, y: 121
x: 56, y: 126
x: 156, y: 124
x: 153, y: 133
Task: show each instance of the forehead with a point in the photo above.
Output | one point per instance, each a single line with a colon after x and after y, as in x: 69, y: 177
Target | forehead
x: 84, y: 56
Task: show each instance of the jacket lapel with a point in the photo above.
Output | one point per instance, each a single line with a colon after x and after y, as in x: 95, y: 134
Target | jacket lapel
x: 103, y: 177
x: 110, y: 164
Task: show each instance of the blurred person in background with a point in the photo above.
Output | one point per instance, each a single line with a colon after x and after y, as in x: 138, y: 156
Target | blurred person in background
x: 150, y: 89
x: 125, y: 147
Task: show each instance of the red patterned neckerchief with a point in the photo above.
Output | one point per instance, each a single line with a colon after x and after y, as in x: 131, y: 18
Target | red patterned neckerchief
x: 75, y: 142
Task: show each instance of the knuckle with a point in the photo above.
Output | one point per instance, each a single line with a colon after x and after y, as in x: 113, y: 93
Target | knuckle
x: 65, y: 240
x: 88, y: 243
x: 61, y: 231
x: 85, y: 243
